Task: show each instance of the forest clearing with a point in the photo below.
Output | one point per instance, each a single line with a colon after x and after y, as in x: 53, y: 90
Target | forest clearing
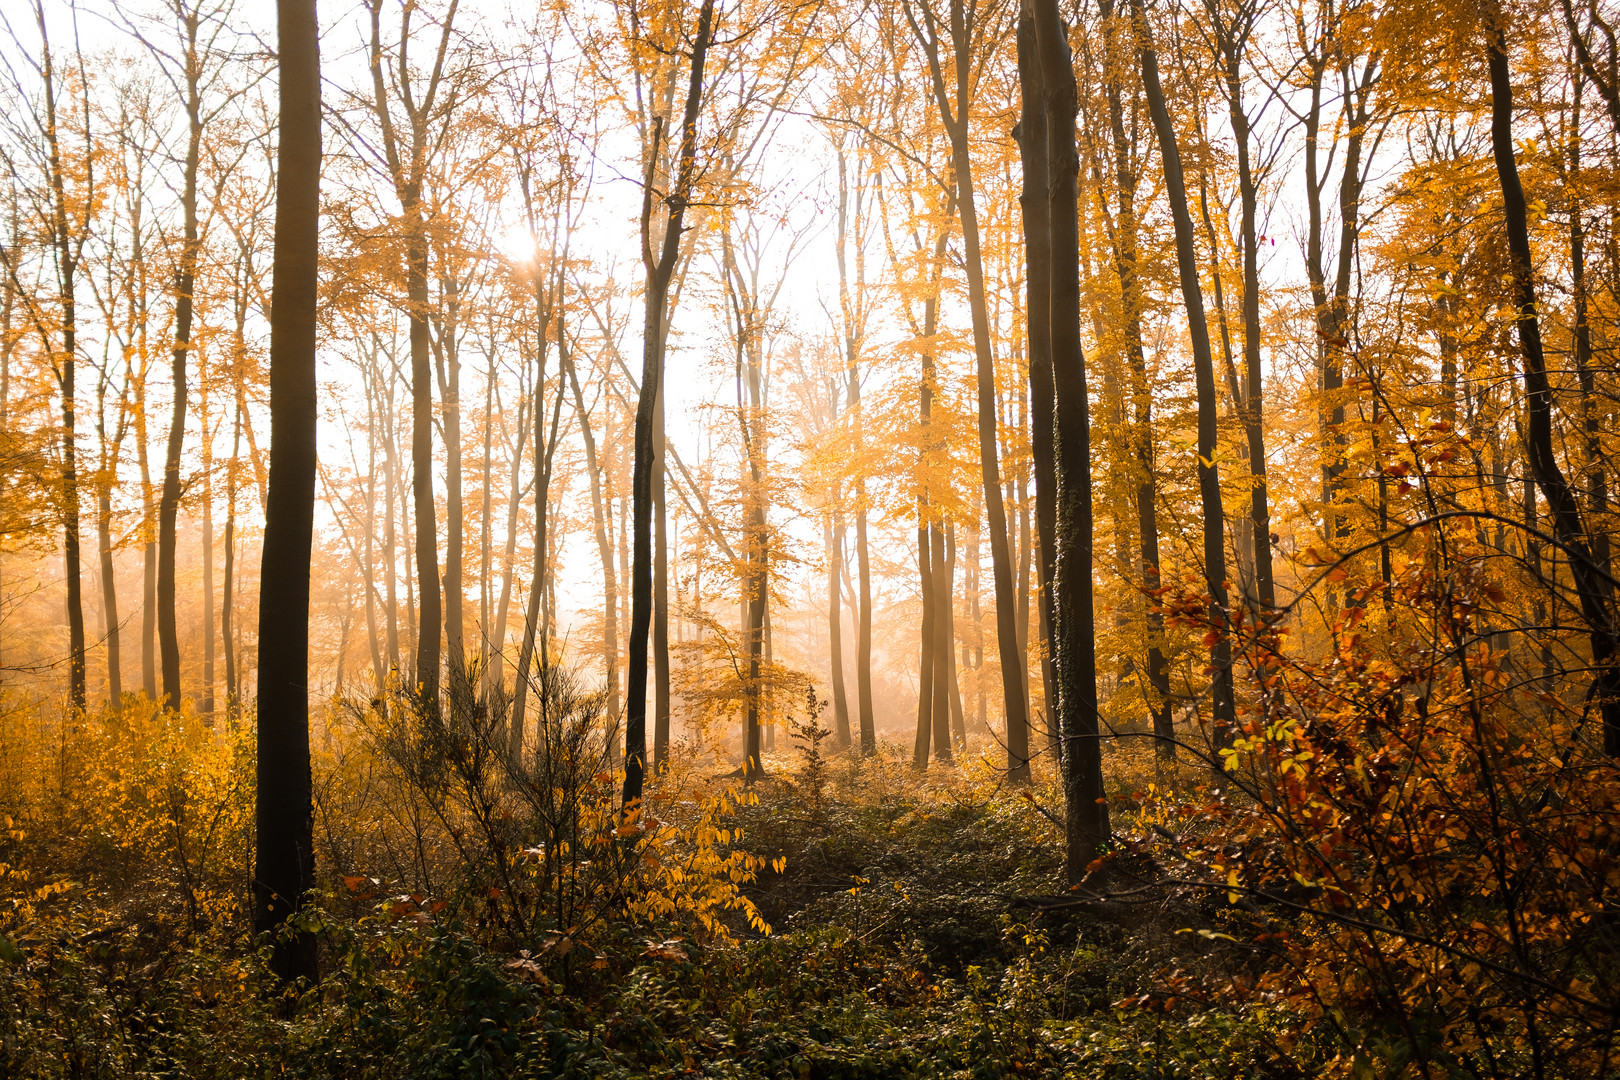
x: 809, y: 539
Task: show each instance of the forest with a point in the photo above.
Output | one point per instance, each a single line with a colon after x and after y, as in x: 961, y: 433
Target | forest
x: 809, y: 539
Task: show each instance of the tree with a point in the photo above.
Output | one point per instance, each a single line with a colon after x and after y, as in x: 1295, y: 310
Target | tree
x: 1073, y: 629
x: 1592, y: 587
x: 63, y: 208
x: 954, y: 105
x: 284, y: 863
x: 1224, y: 704
x: 406, y: 154
x: 197, y: 29
x: 660, y: 267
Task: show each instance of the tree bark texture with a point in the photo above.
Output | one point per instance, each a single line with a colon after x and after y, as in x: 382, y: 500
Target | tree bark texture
x: 284, y: 859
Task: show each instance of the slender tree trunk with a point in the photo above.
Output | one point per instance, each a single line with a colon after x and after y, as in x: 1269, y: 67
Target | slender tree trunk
x: 1025, y: 553
x: 958, y: 719
x: 389, y: 540
x: 1591, y: 586
x: 448, y: 356
x: 206, y: 705
x: 854, y: 329
x: 1231, y: 40
x: 1074, y: 631
x: 1032, y: 201
x: 1127, y: 259
x: 109, y: 587
x: 487, y: 671
x: 957, y: 125
x: 659, y: 272
x: 284, y: 862
x: 368, y: 563
x: 185, y: 286
x: 430, y: 620
x: 926, y: 640
x: 67, y: 252
x: 533, y: 630
x: 1591, y: 407
x: 149, y: 678
x: 503, y: 608
x: 227, y: 606
x: 863, y: 631
x: 1209, y: 481
x: 601, y: 512
x: 942, y: 646
x: 660, y: 627
x: 833, y: 539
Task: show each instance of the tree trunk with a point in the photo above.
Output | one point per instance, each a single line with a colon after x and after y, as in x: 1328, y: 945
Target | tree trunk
x: 227, y: 605
x: 926, y: 639
x: 1032, y: 201
x: 66, y: 252
x: 447, y: 354
x: 863, y: 632
x: 1230, y: 41
x: 957, y: 126
x: 544, y: 446
x: 660, y: 627
x: 659, y: 271
x: 833, y: 540
x: 109, y: 588
x: 1209, y: 481
x: 958, y: 719
x: 429, y: 614
x: 284, y: 863
x: 149, y: 678
x: 1127, y: 259
x: 942, y: 645
x: 1591, y: 586
x: 185, y: 286
x: 206, y: 705
x: 601, y: 512
x: 854, y: 329
x: 1074, y: 632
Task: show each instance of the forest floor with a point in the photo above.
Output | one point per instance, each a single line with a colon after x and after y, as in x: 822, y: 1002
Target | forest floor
x: 918, y: 928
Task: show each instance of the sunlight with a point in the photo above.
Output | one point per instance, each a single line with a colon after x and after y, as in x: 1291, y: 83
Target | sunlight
x: 518, y: 244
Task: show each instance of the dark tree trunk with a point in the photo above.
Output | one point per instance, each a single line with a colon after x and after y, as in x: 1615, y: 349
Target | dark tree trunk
x: 1074, y: 630
x: 926, y: 638
x: 545, y: 446
x: 185, y: 285
x: 109, y: 589
x: 206, y: 704
x: 1231, y: 40
x: 659, y: 272
x: 1591, y: 585
x: 430, y: 618
x: 660, y: 627
x: 1032, y: 201
x: 1209, y: 481
x: 284, y: 862
x: 407, y: 163
x: 67, y: 249
x: 942, y: 645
